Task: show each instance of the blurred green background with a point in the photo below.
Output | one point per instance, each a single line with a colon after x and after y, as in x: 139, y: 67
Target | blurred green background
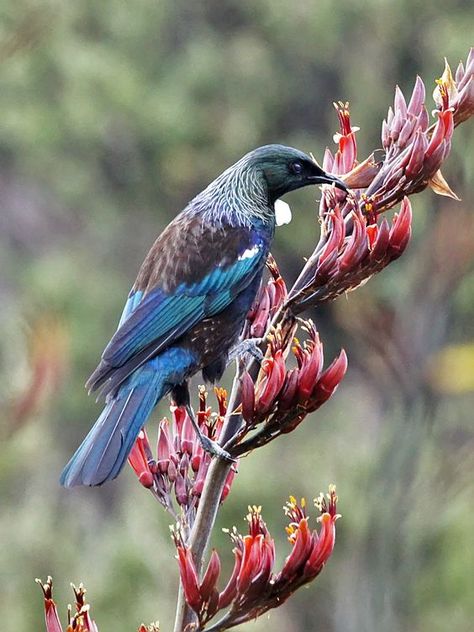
x: 113, y: 115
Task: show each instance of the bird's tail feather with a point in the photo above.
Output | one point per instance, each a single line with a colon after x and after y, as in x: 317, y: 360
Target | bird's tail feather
x: 105, y: 449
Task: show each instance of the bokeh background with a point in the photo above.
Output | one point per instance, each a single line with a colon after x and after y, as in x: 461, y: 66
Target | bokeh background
x: 112, y: 115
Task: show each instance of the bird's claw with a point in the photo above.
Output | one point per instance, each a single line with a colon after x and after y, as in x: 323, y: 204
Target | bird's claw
x: 214, y: 449
x: 250, y: 346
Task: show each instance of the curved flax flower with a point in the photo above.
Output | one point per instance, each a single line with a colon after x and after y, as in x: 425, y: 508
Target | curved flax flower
x: 253, y: 587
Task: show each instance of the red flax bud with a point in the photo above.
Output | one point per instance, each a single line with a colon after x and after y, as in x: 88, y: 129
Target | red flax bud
x: 138, y: 459
x: 276, y: 286
x: 187, y: 434
x: 247, y: 396
x: 178, y: 413
x: 197, y: 456
x: 267, y: 390
x: 417, y: 155
x: 200, y: 479
x: 278, y: 295
x: 259, y: 324
x: 164, y: 446
x: 328, y: 160
x: 230, y: 591
x: 378, y: 239
x: 400, y: 232
x: 202, y: 598
x: 310, y: 360
x: 289, y: 391
x: 180, y: 489
x: 356, y: 246
x: 463, y: 99
x: 208, y: 584
x: 328, y: 269
x: 417, y: 99
x: 336, y: 236
x: 302, y: 540
x: 329, y: 381
x: 189, y: 578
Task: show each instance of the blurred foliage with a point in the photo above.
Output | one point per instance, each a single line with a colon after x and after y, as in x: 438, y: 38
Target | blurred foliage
x: 113, y: 115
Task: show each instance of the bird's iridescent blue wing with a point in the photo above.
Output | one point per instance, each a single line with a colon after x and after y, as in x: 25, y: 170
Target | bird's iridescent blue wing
x: 180, y: 284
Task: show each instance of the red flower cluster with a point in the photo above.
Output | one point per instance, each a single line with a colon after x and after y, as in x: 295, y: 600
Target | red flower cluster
x: 179, y: 470
x: 305, y: 385
x: 281, y: 398
x: 353, y: 251
x: 253, y: 587
x: 414, y: 152
x: 79, y: 621
x: 353, y: 244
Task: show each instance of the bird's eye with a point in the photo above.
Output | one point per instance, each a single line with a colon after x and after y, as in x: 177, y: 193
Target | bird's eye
x: 296, y: 168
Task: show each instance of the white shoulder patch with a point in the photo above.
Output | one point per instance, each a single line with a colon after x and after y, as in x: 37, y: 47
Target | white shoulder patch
x: 249, y: 253
x: 282, y: 213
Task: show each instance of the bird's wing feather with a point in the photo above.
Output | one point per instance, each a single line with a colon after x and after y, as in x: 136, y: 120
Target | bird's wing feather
x: 161, y: 318
x: 174, y: 294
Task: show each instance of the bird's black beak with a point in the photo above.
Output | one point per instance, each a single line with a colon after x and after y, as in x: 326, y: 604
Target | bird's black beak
x: 327, y: 178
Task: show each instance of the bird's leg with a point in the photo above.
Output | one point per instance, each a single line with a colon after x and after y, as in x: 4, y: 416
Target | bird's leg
x: 181, y: 397
x: 208, y: 445
x: 250, y: 346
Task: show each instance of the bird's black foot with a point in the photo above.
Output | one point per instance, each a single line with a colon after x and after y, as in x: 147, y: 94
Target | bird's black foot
x: 249, y: 346
x: 208, y: 445
x: 214, y: 449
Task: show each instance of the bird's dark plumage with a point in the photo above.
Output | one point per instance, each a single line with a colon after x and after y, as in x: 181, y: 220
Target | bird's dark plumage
x: 189, y: 302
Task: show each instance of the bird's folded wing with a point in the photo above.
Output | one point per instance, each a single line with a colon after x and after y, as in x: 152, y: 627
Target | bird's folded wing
x: 152, y: 321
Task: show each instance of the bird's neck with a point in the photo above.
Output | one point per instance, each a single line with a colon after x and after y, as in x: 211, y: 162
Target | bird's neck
x: 238, y: 197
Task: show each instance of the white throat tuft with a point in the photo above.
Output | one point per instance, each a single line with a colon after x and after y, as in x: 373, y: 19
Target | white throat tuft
x: 282, y: 213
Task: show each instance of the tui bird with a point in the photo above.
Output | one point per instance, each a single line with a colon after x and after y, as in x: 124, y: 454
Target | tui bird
x: 188, y: 305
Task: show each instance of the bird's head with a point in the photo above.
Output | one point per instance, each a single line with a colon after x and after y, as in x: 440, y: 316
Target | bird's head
x: 247, y: 191
x: 285, y: 169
